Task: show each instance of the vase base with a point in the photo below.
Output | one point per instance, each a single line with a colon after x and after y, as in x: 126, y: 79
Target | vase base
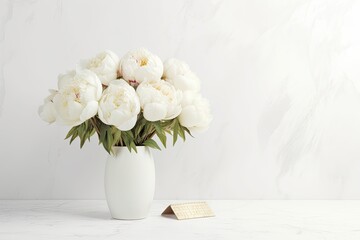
x: 129, y: 218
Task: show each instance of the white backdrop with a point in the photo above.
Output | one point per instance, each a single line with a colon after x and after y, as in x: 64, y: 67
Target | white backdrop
x: 282, y: 76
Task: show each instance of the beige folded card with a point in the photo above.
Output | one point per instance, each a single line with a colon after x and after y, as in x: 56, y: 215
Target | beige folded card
x: 189, y: 210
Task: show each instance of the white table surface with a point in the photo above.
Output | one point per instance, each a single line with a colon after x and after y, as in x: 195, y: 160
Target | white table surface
x: 90, y: 219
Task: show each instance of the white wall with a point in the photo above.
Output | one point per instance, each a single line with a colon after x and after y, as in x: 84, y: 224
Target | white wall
x: 283, y: 78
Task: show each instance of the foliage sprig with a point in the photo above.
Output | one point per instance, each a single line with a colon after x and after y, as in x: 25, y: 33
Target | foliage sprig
x: 141, y: 135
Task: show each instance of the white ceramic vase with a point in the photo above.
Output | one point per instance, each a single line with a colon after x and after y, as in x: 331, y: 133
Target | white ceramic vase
x: 130, y: 183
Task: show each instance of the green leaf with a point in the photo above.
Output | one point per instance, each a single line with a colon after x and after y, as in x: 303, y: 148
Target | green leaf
x: 158, y: 127
x: 81, y: 128
x: 91, y: 133
x: 151, y: 143
x: 181, y: 132
x: 103, y: 129
x: 162, y: 138
x: 107, y: 142
x: 73, y: 137
x: 133, y: 146
x: 160, y: 132
x: 82, y: 141
x: 106, y: 137
x: 140, y: 126
x: 82, y: 133
x: 117, y: 136
x: 176, y: 131
x: 148, y: 127
x: 127, y: 140
x: 130, y: 134
x: 166, y: 123
x: 71, y: 132
x: 109, y: 138
x: 187, y: 130
x: 108, y: 150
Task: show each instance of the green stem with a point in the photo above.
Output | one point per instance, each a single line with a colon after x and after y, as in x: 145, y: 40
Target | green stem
x: 93, y: 122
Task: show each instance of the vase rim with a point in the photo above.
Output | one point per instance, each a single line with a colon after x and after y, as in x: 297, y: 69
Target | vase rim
x: 126, y: 147
x: 123, y: 149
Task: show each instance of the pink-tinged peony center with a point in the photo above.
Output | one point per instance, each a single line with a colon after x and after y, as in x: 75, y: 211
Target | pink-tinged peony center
x: 77, y: 96
x: 133, y: 83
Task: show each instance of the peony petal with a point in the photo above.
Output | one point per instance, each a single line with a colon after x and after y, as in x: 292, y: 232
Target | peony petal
x: 146, y: 74
x: 89, y: 111
x: 73, y: 109
x: 104, y: 65
x: 47, y: 112
x: 102, y: 117
x: 189, y: 116
x: 118, y: 117
x: 128, y: 125
x: 173, y: 112
x: 188, y: 98
x: 66, y: 79
x: 174, y: 67
x: 140, y: 65
x: 155, y: 111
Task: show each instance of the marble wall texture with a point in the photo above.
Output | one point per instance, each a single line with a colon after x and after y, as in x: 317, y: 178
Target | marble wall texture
x: 282, y: 76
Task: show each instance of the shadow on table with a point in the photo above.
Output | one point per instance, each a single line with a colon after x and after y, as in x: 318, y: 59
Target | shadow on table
x: 169, y: 216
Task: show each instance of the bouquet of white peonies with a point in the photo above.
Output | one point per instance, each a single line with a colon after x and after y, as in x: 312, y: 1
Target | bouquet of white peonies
x: 128, y: 101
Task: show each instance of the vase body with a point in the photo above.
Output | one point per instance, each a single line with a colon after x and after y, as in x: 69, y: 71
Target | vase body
x: 130, y: 183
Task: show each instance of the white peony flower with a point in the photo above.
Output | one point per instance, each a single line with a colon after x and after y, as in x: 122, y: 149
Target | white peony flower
x: 47, y: 110
x: 105, y: 65
x: 159, y: 100
x: 119, y: 105
x: 77, y: 100
x: 140, y: 65
x: 195, y: 114
x: 179, y: 74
